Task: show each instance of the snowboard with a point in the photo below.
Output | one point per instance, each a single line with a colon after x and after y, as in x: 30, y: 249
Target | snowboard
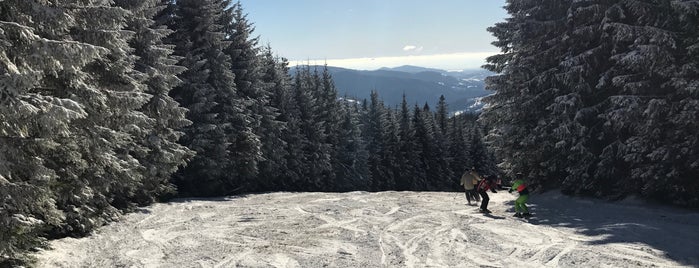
x: 490, y: 215
x: 530, y: 219
x: 500, y: 216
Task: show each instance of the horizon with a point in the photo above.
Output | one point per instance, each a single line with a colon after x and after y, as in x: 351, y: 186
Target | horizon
x: 369, y: 35
x: 426, y: 61
x: 322, y: 63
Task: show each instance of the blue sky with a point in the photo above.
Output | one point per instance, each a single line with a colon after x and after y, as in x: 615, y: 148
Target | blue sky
x: 369, y: 34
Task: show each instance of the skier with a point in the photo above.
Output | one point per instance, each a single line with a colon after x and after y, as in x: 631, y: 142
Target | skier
x: 469, y: 180
x: 476, y: 178
x: 483, y: 186
x: 518, y: 185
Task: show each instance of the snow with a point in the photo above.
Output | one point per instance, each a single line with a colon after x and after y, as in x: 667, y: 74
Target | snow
x: 478, y: 102
x: 386, y: 229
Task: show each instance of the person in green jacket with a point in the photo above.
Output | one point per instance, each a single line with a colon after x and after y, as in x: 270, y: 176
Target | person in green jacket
x: 518, y: 185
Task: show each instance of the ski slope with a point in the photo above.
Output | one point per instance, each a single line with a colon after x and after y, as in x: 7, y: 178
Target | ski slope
x: 387, y: 229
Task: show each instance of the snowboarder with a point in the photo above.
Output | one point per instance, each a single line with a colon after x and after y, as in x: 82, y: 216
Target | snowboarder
x: 518, y: 185
x: 469, y: 180
x: 483, y: 186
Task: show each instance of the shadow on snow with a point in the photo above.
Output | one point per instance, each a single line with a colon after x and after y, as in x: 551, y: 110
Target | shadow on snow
x: 671, y: 230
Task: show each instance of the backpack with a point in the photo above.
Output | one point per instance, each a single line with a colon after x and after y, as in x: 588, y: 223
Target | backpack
x: 483, y: 185
x: 519, y: 185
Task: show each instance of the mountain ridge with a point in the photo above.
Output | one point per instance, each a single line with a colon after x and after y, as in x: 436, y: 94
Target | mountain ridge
x: 462, y: 90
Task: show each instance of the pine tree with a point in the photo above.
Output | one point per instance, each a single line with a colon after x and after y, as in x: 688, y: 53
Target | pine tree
x: 582, y: 88
x: 352, y: 171
x: 479, y: 155
x: 208, y: 91
x: 317, y: 163
x: 632, y: 57
x: 329, y: 113
x: 294, y: 178
x: 391, y: 147
x: 422, y: 150
x: 532, y: 43
x: 156, y: 65
x: 459, y: 151
x: 441, y: 117
x: 432, y: 144
x: 97, y: 166
x: 276, y: 78
x: 407, y: 157
x: 34, y: 115
x: 654, y: 129
x: 682, y: 141
x: 374, y: 124
x: 243, y: 51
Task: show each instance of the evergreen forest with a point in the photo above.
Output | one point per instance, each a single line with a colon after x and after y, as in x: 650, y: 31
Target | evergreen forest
x: 108, y: 105
x: 599, y: 98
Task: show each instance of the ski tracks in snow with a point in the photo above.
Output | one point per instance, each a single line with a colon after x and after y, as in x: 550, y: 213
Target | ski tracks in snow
x: 356, y: 229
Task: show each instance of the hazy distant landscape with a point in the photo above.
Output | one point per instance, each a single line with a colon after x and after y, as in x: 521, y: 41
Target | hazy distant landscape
x: 462, y: 89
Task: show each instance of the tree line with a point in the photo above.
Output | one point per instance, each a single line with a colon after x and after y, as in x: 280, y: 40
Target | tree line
x: 599, y: 97
x: 109, y: 105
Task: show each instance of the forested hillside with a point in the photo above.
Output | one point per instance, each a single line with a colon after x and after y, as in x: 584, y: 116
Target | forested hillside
x: 599, y: 97
x: 419, y: 85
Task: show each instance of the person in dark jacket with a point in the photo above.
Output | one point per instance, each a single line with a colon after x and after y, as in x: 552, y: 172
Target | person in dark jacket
x: 482, y: 188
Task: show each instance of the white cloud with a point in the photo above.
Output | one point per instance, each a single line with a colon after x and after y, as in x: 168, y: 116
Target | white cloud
x: 412, y: 48
x: 453, y: 61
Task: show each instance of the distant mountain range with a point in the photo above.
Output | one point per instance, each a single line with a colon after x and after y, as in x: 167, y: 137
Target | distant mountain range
x: 462, y: 89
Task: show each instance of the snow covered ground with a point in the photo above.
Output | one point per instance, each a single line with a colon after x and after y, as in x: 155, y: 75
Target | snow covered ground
x: 387, y: 229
